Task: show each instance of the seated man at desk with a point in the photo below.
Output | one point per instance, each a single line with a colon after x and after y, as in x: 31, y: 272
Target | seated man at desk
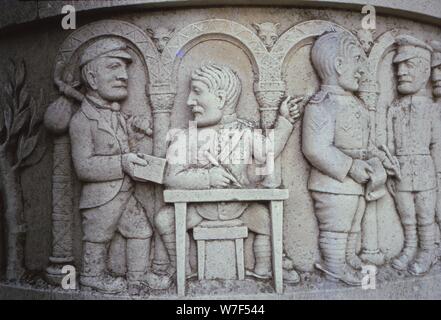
x: 217, y: 153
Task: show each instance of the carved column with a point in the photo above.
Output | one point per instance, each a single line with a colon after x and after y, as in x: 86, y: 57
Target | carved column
x: 370, y: 252
x: 162, y: 100
x: 61, y: 209
x: 57, y: 119
x: 269, y: 96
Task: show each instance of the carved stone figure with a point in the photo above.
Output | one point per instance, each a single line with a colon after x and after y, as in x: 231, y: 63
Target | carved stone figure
x: 436, y: 70
x: 366, y: 38
x: 414, y: 137
x: 105, y: 165
x: 267, y: 32
x: 436, y: 84
x: 225, y: 147
x: 160, y: 36
x: 336, y: 141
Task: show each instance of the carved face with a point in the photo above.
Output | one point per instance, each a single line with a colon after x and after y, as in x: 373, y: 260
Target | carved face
x: 160, y: 36
x: 349, y: 69
x: 413, y: 75
x: 108, y: 77
x: 366, y: 39
x: 436, y: 78
x: 267, y: 32
x: 205, y: 105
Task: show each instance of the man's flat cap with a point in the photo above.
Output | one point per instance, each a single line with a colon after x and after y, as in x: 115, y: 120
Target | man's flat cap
x: 110, y: 47
x: 410, y: 47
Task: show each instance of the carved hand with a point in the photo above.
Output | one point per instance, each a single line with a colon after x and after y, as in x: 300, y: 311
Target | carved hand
x: 290, y: 110
x: 129, y: 160
x: 391, y: 186
x: 219, y: 178
x: 360, y: 171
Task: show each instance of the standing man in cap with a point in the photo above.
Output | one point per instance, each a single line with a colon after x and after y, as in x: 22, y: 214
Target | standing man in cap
x: 105, y: 166
x: 436, y: 85
x: 336, y: 141
x: 414, y: 136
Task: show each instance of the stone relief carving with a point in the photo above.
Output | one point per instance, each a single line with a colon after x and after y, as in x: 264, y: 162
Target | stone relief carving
x: 351, y: 169
x: 413, y: 138
x: 436, y: 84
x: 213, y: 99
x: 348, y: 169
x: 160, y: 37
x: 20, y: 135
x: 105, y: 164
x: 267, y: 32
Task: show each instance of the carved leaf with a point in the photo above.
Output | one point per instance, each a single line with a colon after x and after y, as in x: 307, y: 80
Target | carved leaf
x: 20, y: 74
x: 7, y: 115
x: 20, y: 147
x: 20, y: 121
x: 28, y: 145
x: 23, y: 100
x: 38, y: 152
x: 36, y: 117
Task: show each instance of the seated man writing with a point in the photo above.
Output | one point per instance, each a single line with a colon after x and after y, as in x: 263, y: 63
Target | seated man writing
x: 217, y: 153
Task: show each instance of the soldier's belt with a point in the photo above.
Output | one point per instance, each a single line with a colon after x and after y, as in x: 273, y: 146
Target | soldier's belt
x: 361, y: 154
x: 400, y: 154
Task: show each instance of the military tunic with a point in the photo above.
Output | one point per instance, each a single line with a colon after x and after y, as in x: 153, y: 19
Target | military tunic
x: 414, y: 136
x: 336, y: 130
x: 236, y: 147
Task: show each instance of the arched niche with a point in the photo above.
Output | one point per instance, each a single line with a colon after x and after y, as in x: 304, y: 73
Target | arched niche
x: 221, y: 30
x: 141, y: 43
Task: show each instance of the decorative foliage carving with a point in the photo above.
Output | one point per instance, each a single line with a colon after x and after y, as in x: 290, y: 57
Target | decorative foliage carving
x: 20, y: 134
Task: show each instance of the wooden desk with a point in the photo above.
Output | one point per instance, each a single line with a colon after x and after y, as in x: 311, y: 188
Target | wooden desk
x: 180, y: 198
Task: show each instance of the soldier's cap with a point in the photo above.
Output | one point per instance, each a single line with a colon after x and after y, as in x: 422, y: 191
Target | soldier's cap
x: 410, y: 47
x: 112, y: 47
x: 436, y: 55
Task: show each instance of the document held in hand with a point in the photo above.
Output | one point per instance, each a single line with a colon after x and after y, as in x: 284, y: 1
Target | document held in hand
x: 153, y: 171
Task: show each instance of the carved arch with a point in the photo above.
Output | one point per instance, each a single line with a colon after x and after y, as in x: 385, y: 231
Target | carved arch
x: 298, y: 36
x: 215, y: 29
x: 142, y: 43
x: 384, y: 44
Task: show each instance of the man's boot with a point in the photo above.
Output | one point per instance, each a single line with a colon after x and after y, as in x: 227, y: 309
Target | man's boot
x: 425, y: 257
x: 290, y: 275
x: 138, y: 273
x: 406, y: 255
x: 262, y: 254
x: 94, y: 270
x: 351, y: 256
x: 333, y: 249
x: 169, y: 240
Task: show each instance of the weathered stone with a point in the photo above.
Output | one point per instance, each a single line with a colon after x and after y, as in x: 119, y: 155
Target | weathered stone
x: 239, y: 144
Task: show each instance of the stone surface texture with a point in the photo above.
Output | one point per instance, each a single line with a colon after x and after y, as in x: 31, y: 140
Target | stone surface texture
x: 262, y: 151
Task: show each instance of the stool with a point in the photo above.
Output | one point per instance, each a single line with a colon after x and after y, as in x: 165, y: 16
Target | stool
x: 220, y: 249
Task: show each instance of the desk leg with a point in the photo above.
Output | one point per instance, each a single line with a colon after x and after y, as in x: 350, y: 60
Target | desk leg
x: 180, y: 229
x: 277, y: 243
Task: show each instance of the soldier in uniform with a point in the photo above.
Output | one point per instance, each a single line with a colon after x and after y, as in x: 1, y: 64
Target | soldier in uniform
x: 336, y: 141
x: 414, y: 134
x: 105, y: 166
x: 226, y: 146
x: 436, y: 85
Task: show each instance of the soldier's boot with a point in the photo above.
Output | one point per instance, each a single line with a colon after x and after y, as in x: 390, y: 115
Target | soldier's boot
x: 333, y: 249
x: 169, y: 241
x: 401, y: 262
x: 426, y: 256
x: 351, y: 256
x: 290, y: 275
x: 262, y: 254
x: 138, y: 273
x: 94, y: 274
